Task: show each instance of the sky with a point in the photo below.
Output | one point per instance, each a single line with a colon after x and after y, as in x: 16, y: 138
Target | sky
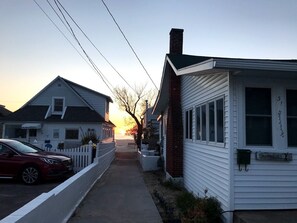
x: 33, y: 52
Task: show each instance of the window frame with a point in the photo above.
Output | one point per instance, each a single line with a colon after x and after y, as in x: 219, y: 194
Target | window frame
x: 56, y: 133
x: 204, y: 137
x: 189, y: 124
x: 271, y: 116
x: 71, y: 129
x: 32, y: 132
x: 287, y: 117
x: 54, y: 111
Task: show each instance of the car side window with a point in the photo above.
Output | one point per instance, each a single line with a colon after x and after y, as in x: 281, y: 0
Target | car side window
x: 4, y: 149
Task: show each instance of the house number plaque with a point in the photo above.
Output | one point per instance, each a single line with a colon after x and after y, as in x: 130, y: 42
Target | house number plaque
x: 268, y: 156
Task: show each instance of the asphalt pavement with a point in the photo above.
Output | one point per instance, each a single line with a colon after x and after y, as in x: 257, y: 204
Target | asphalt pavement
x: 14, y: 194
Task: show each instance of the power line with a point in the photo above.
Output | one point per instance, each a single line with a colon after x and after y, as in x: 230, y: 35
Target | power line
x: 60, y: 31
x: 64, y: 34
x: 129, y: 44
x: 78, y: 42
x: 95, y: 46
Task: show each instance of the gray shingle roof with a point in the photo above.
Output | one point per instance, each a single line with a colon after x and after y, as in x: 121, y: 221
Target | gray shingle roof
x: 38, y: 113
x: 3, y: 111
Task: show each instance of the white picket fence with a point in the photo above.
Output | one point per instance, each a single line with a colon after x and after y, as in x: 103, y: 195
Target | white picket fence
x: 83, y: 156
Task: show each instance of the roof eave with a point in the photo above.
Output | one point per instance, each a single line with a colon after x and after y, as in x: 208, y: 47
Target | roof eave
x: 196, y: 68
x: 237, y: 64
x: 161, y: 102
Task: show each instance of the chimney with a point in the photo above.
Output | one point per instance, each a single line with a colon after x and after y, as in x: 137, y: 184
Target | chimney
x: 176, y: 41
x: 174, y: 128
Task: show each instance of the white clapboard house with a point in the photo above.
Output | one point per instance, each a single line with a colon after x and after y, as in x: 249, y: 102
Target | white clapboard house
x: 229, y: 127
x: 61, y: 114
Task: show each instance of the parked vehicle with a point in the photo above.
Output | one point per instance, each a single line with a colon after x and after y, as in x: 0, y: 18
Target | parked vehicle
x: 18, y: 160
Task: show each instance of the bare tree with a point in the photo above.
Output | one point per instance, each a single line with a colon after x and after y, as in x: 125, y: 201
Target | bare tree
x: 134, y: 104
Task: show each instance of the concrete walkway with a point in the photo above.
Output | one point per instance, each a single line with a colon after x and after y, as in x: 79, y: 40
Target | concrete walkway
x: 120, y: 195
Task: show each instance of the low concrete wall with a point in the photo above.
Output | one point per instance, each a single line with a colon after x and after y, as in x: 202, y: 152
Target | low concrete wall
x: 59, y: 204
x: 148, y: 161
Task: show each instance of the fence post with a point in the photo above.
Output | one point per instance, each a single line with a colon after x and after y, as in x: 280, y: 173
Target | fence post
x: 97, y: 149
x: 91, y: 152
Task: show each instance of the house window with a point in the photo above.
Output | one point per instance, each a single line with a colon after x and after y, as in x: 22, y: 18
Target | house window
x: 258, y: 116
x: 220, y: 120
x: 58, y: 105
x: 203, y: 121
x: 20, y: 133
x: 189, y: 123
x: 32, y: 132
x: 56, y: 134
x: 198, y: 123
x: 211, y: 129
x: 210, y: 121
x: 71, y: 134
x: 292, y: 117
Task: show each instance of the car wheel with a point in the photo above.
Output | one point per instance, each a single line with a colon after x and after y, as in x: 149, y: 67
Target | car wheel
x: 30, y: 175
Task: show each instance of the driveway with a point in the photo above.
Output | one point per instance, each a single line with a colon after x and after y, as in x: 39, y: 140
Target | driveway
x: 14, y: 195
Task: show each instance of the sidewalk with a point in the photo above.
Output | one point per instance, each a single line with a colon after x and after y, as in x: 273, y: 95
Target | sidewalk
x: 120, y: 195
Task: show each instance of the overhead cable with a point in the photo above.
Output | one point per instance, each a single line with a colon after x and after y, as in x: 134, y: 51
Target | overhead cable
x: 61, y: 32
x: 95, y: 46
x: 91, y: 66
x: 108, y: 84
x: 129, y: 44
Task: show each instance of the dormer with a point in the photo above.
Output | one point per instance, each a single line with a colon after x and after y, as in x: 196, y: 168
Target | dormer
x: 58, y: 105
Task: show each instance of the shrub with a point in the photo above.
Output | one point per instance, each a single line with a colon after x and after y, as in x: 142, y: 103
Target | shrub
x: 185, y: 202
x: 86, y: 137
x: 199, y: 210
x: 171, y: 184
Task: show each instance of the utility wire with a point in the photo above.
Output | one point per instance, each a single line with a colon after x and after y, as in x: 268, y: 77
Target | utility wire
x: 129, y: 43
x: 95, y: 46
x: 109, y: 85
x: 58, y: 16
x: 62, y: 33
x: 90, y: 65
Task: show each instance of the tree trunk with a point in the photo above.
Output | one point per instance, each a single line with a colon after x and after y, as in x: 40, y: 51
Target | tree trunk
x: 139, y: 135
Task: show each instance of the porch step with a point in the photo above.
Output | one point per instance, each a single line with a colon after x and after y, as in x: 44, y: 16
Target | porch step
x: 272, y: 216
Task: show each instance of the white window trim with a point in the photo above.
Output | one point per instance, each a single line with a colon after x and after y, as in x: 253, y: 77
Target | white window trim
x: 207, y: 142
x: 188, y: 121
x: 57, y: 131
x: 278, y: 88
x: 53, y: 106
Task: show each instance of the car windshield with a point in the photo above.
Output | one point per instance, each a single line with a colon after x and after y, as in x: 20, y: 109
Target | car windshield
x: 20, y: 147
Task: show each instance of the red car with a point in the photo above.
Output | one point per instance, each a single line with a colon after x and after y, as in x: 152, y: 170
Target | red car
x: 18, y: 160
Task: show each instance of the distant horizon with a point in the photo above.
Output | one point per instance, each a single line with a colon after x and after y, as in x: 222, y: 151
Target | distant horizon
x: 119, y: 136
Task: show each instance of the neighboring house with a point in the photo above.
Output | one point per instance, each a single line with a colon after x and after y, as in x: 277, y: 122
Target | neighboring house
x: 229, y: 127
x: 3, y: 112
x: 150, y: 128
x: 61, y: 114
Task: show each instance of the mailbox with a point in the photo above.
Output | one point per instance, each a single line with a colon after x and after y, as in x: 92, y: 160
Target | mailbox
x: 243, y: 158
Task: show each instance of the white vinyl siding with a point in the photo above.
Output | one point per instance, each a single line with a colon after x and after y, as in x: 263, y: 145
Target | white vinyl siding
x: 96, y: 101
x: 59, y: 90
x: 206, y: 166
x: 266, y: 184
